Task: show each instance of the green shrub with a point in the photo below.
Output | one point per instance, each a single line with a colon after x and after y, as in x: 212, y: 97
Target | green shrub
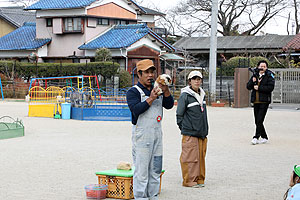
x: 125, y: 79
x: 103, y: 55
x: 255, y: 60
x: 281, y: 63
x: 229, y: 66
x: 28, y: 70
x: 294, y: 64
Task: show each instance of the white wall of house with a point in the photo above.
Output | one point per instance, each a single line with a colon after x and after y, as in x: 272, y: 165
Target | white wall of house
x: 42, y: 51
x: 10, y: 54
x: 114, y: 52
x: 122, y: 3
x: 62, y: 12
x: 64, y: 45
x: 41, y: 30
x: 90, y: 52
x: 91, y: 22
x: 146, y: 18
x: 84, y: 60
x: 147, y: 40
x: 93, y: 31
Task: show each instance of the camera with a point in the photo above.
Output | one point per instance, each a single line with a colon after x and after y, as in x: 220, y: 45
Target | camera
x: 255, y: 73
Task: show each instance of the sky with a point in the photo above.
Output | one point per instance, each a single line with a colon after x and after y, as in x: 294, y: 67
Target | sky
x: 274, y: 26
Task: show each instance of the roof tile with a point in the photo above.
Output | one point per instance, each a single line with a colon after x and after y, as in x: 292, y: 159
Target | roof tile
x: 235, y: 42
x: 16, y: 15
x: 59, y: 4
x: 118, y: 37
x: 22, y: 38
x: 122, y: 36
x: 294, y: 43
x: 66, y: 4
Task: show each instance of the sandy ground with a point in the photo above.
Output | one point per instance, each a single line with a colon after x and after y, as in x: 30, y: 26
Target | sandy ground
x: 57, y: 158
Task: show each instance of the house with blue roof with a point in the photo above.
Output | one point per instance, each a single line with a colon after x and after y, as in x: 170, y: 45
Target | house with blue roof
x: 20, y: 43
x: 72, y: 31
x: 12, y: 18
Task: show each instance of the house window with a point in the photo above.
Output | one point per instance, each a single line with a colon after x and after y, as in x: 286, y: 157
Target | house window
x: 72, y: 25
x: 102, y: 21
x: 123, y: 22
x: 49, y: 22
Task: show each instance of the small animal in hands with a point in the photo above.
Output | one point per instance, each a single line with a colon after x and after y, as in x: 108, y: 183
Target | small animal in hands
x: 163, y: 79
x: 124, y: 165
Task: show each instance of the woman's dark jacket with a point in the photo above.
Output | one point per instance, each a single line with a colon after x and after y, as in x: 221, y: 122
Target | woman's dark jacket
x: 265, y: 88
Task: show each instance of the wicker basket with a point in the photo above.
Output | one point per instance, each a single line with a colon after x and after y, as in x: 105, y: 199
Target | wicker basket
x: 119, y: 187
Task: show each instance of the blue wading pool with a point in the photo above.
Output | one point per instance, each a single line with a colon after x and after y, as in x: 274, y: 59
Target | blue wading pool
x: 102, y: 113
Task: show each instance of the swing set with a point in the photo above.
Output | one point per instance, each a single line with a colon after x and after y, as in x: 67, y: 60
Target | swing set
x: 1, y: 89
x: 45, y: 93
x: 47, y: 89
x: 87, y: 102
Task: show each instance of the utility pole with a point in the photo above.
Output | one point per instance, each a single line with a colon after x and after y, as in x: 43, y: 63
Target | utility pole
x: 213, y: 51
x: 185, y: 57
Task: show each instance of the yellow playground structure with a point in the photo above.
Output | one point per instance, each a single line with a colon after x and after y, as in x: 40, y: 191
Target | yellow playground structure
x: 46, y: 94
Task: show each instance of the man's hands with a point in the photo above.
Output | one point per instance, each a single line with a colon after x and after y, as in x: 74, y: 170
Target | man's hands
x: 154, y: 93
x: 153, y: 96
x: 254, y: 80
x: 165, y: 90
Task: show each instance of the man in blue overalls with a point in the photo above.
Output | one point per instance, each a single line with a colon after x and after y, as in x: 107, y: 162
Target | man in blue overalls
x: 146, y: 108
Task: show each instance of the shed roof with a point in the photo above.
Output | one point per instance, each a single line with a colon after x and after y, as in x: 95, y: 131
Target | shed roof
x: 151, y: 11
x: 294, y: 44
x: 16, y: 15
x: 235, y: 42
x: 171, y: 56
x: 122, y: 36
x: 22, y: 38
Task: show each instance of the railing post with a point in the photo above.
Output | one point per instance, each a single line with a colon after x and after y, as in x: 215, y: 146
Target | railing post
x: 1, y: 90
x: 281, y: 87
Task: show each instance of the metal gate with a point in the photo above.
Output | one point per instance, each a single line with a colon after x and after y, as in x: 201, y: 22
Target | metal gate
x: 287, y: 86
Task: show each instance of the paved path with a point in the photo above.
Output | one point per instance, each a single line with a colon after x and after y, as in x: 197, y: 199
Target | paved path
x: 57, y: 158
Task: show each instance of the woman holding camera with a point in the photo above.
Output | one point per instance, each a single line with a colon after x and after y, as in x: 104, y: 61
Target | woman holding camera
x: 262, y: 84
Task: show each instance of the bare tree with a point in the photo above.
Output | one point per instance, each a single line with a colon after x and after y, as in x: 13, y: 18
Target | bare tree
x: 174, y: 24
x: 24, y: 3
x: 168, y: 22
x: 287, y: 24
x: 295, y: 5
x: 235, y: 17
x: 140, y: 2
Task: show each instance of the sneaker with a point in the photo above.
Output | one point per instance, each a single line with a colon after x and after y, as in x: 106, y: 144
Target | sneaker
x: 263, y: 141
x: 254, y: 141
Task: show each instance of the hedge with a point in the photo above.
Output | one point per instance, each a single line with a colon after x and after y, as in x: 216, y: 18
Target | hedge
x: 229, y: 66
x: 28, y: 70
